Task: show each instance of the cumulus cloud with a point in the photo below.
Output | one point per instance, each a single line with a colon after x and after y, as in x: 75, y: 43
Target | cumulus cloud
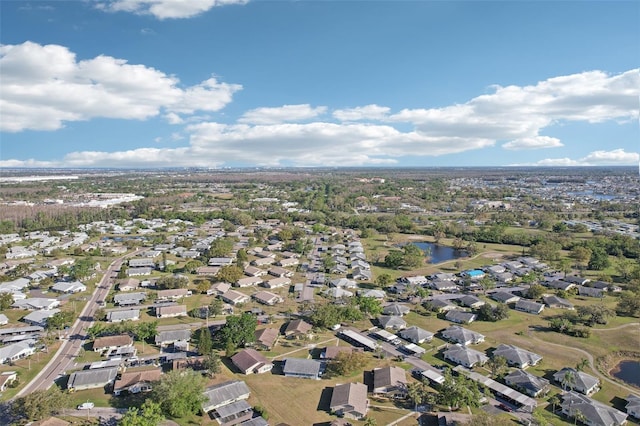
x: 165, y: 9
x: 616, y: 157
x: 283, y: 114
x: 367, y: 112
x: 44, y: 85
x: 536, y: 142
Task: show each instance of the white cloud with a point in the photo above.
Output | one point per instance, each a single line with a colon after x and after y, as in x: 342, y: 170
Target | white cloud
x: 165, y: 9
x: 535, y: 142
x: 44, y: 86
x: 283, y: 114
x: 367, y: 112
x: 616, y: 157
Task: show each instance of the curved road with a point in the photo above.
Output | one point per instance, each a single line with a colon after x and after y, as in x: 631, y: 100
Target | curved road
x: 70, y: 348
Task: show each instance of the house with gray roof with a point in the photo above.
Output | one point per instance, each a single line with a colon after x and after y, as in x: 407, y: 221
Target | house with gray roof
x: 121, y: 316
x: 173, y: 338
x: 554, y: 301
x: 504, y: 297
x: 465, y: 356
x: 416, y: 335
x: 527, y: 383
x: 250, y: 361
x: 594, y: 413
x: 15, y: 351
x: 633, y: 406
x: 529, y: 306
x: 91, y: 379
x: 461, y: 335
x: 302, y: 368
x: 349, y: 400
x: 39, y: 317
x: 36, y: 303
x: 591, y: 291
x: 392, y: 321
x: 224, y: 394
x: 517, y: 357
x: 129, y: 299
x: 577, y: 380
x: 391, y: 381
x: 396, y: 309
x: 460, y: 317
x: 69, y: 287
x: 470, y: 301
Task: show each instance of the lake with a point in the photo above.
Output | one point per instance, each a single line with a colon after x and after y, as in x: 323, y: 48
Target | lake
x: 440, y: 253
x: 627, y: 371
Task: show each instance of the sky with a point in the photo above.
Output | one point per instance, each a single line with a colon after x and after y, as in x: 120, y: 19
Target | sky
x: 254, y: 83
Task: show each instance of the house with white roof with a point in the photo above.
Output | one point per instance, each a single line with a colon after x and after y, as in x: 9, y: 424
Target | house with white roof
x: 69, y: 287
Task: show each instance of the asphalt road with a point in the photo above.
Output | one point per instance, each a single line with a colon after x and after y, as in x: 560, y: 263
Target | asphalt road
x: 64, y: 358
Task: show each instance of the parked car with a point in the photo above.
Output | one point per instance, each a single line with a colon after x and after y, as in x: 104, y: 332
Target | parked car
x: 505, y: 407
x: 86, y: 406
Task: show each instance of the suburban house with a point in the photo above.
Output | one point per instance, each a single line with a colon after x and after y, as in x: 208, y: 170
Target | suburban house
x: 297, y: 329
x: 277, y: 282
x: 554, y: 301
x: 337, y: 293
x: 136, y: 381
x: 128, y: 284
x: 234, y: 297
x: 392, y: 321
x: 527, y: 383
x: 136, y: 272
x: 129, y: 299
x: 178, y: 339
x: 460, y: 317
x: 207, y: 271
x: 36, y: 303
x: 120, y: 316
x: 461, y: 335
x: 288, y: 262
x: 505, y: 297
x: 171, y: 311
x: 591, y: 291
x: 266, y: 338
x: 416, y: 335
x: 18, y: 350
x: 144, y: 262
x: 577, y: 380
x: 267, y: 298
x: 302, y: 368
x: 396, y: 309
x: 248, y: 281
x: 252, y: 271
x: 465, y: 356
x: 279, y: 272
x: 391, y: 381
x: 592, y: 412
x: 517, y: 357
x: 172, y: 294
x: 224, y: 394
x: 442, y: 305
x: 91, y: 379
x: 39, y: 318
x: 250, y: 361
x: 529, y: 306
x: 69, y: 287
x: 218, y: 289
x: 220, y: 261
x: 470, y: 301
x: 349, y: 400
x: 330, y: 352
x: 633, y: 406
x: 108, y: 344
x: 263, y: 261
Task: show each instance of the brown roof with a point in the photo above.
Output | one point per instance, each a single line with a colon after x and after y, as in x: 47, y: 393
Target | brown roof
x: 330, y: 352
x: 194, y: 363
x: 170, y: 310
x: 247, y: 358
x: 173, y: 292
x: 387, y: 377
x: 266, y: 336
x: 353, y: 395
x: 132, y: 377
x: 113, y: 341
x: 297, y: 326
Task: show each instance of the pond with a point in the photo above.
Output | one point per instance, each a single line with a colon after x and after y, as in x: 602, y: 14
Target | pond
x: 627, y: 371
x: 440, y: 253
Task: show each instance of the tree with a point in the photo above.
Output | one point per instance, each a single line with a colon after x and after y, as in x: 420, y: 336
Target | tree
x: 498, y: 365
x: 205, y: 343
x: 202, y: 286
x: 82, y: 269
x: 629, y: 304
x: 215, y: 307
x: 238, y: 330
x: 535, y: 291
x: 346, y: 363
x: 172, y: 282
x: 568, y: 380
x: 416, y: 392
x: 40, y: 404
x: 145, y: 330
x: 457, y: 391
x: 413, y: 256
x: 582, y: 364
x: 487, y: 283
x: 212, y: 364
x: 485, y: 419
x: 599, y: 259
x: 595, y: 314
x: 221, y: 247
x: 6, y: 300
x: 60, y: 320
x: 384, y: 280
x: 581, y: 254
x: 229, y: 274
x: 554, y: 400
x: 370, y: 421
x: 179, y: 392
x: 149, y: 414
x: 369, y: 305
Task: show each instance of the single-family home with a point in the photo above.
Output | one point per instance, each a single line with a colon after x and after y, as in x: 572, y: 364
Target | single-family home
x: 392, y: 321
x: 470, y: 301
x: 297, y: 328
x: 440, y: 305
x: 527, y: 383
x: 343, y: 283
x: 391, y: 381
x: 460, y: 317
x: 248, y: 281
x: 349, y: 400
x: 141, y: 271
x: 121, y: 316
x: 224, y: 394
x: 461, y: 335
x: 39, y: 317
x: 465, y: 356
x: 18, y: 350
x: 277, y: 282
x: 266, y: 338
x: 171, y: 311
x: 144, y: 262
x: 517, y: 357
x: 396, y: 309
x: 504, y: 297
x: 590, y: 411
x: 250, y: 361
x: 234, y: 297
x: 416, y: 335
x: 302, y: 368
x: 108, y: 344
x: 69, y: 287
x: 267, y: 298
x: 252, y: 271
x: 591, y: 291
x: 136, y: 381
x: 220, y: 261
x: 172, y: 294
x: 554, y: 301
x: 36, y: 303
x: 529, y: 306
x: 218, y: 289
x: 91, y: 379
x: 577, y: 380
x: 129, y: 299
x: 128, y: 284
x: 633, y: 406
x: 178, y: 339
x: 207, y: 271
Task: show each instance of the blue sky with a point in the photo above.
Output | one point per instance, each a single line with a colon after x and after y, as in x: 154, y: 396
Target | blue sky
x: 227, y: 83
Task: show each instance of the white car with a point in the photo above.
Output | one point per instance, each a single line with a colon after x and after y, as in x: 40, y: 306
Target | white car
x: 86, y: 406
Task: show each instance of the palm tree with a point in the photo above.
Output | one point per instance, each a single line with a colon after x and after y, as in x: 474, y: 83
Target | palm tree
x: 554, y: 400
x: 415, y: 392
x: 579, y: 417
x: 568, y: 380
x: 582, y: 364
